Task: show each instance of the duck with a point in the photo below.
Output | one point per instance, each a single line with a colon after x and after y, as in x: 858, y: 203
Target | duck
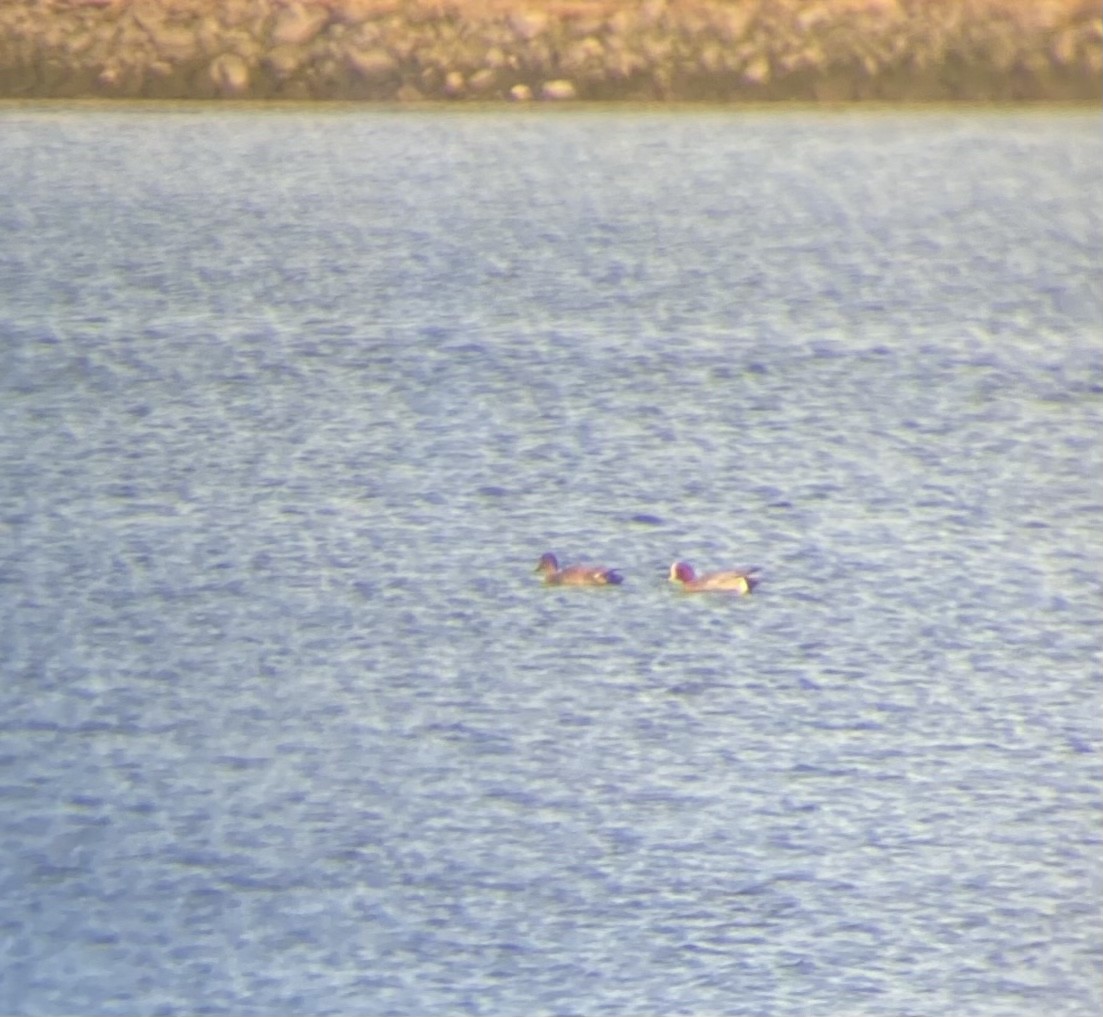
x: 576, y: 575
x: 738, y: 581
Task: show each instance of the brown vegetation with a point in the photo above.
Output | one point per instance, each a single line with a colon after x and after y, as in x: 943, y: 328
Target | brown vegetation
x: 718, y: 50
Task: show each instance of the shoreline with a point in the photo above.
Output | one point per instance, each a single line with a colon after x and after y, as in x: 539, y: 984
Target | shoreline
x: 673, y: 52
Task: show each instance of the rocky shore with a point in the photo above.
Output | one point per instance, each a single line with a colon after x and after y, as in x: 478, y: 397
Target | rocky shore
x: 644, y: 50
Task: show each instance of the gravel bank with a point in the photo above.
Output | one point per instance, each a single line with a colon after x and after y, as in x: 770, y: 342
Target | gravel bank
x: 650, y: 50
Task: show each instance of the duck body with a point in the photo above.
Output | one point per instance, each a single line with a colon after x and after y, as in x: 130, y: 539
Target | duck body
x: 738, y: 581
x: 576, y: 575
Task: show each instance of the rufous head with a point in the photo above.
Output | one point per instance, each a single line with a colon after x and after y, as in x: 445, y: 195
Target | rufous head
x: 681, y: 572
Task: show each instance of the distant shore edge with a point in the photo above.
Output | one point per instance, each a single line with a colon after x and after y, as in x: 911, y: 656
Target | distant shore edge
x: 561, y: 50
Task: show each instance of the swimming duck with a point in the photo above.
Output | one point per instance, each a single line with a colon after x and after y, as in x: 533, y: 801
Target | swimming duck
x: 576, y: 575
x: 737, y: 581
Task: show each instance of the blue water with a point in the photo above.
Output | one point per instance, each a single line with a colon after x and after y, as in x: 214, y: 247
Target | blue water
x: 290, y: 405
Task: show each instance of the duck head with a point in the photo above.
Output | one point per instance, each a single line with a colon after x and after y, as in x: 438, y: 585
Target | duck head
x: 681, y: 572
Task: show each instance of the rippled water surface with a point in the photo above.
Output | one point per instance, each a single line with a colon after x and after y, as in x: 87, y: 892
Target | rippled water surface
x: 290, y: 404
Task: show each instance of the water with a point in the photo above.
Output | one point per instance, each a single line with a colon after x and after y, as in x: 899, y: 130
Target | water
x: 291, y: 404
